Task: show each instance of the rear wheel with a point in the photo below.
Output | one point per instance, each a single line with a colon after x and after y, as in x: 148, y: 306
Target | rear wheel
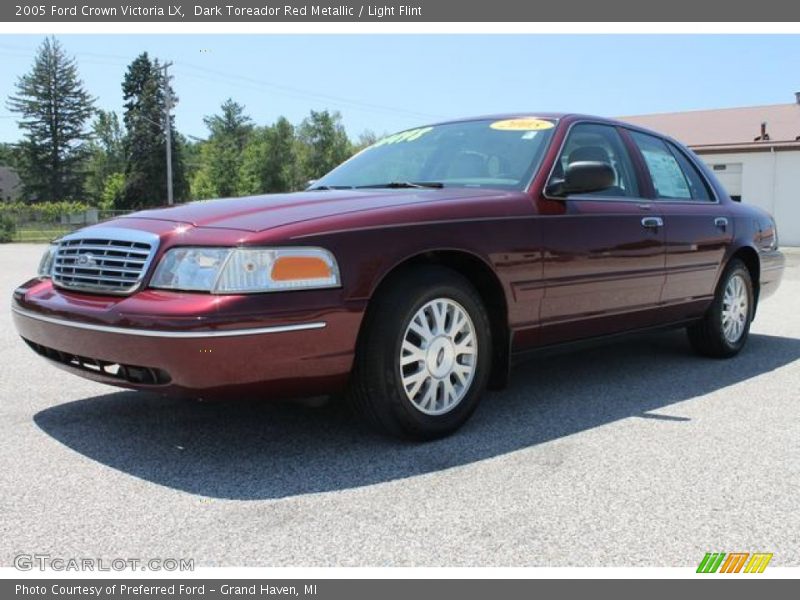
x: 424, y: 356
x: 724, y: 330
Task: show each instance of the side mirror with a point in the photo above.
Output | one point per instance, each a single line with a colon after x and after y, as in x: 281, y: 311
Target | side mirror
x: 583, y: 177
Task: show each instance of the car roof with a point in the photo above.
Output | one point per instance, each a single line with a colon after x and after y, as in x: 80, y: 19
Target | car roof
x: 560, y: 117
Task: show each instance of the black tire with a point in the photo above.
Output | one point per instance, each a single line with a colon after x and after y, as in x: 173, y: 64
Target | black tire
x: 376, y: 392
x: 707, y: 336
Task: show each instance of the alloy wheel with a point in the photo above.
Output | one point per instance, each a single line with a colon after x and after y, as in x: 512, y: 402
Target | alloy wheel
x: 438, y: 356
x: 735, y: 309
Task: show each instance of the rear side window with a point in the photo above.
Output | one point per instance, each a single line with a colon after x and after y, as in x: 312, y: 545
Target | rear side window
x: 673, y: 175
x: 697, y: 184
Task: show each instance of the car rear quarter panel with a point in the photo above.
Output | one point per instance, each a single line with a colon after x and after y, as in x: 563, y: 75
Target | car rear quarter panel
x: 755, y: 232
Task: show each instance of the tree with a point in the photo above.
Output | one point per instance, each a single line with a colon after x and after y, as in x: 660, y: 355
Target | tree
x: 324, y: 143
x: 366, y: 139
x: 233, y: 124
x: 112, y: 191
x: 221, y: 154
x: 144, y: 92
x: 270, y: 161
x: 54, y: 108
x: 106, y: 154
x: 190, y: 153
x: 8, y: 155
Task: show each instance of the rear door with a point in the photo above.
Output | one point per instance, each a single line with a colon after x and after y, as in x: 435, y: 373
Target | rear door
x: 698, y: 228
x: 604, y: 251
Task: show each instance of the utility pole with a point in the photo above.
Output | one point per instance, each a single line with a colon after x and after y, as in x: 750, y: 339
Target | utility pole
x: 168, y: 129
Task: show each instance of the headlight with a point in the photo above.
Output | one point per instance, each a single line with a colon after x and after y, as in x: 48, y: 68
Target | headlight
x: 246, y: 270
x: 193, y: 269
x: 46, y: 263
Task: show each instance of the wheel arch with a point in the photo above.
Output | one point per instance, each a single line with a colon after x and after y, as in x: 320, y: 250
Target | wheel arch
x: 749, y: 256
x: 482, y: 276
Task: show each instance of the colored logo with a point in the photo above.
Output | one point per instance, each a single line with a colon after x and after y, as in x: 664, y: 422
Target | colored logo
x: 734, y: 562
x: 522, y: 124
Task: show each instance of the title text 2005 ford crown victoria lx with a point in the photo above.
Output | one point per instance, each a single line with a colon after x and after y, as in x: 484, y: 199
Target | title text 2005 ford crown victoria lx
x: 409, y: 276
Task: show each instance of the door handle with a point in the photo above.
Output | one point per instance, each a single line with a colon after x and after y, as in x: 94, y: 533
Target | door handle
x: 721, y: 222
x: 652, y: 222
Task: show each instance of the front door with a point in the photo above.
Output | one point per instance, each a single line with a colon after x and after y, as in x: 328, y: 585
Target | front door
x: 603, y: 251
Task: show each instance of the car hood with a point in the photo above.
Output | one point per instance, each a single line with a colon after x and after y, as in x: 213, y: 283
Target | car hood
x: 258, y: 213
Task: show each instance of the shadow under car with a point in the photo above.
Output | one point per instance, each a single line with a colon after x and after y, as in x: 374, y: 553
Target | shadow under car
x: 251, y: 449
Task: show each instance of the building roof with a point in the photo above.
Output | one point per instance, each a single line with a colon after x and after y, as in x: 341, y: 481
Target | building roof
x: 728, y: 128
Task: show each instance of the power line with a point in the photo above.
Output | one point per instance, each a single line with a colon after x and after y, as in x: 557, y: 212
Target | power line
x: 333, y: 105
x: 117, y: 60
x: 307, y: 93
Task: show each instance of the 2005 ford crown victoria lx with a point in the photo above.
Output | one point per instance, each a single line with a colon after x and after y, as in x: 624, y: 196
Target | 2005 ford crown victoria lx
x: 408, y: 277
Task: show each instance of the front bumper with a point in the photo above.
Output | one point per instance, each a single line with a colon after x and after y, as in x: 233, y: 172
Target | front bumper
x: 192, y: 344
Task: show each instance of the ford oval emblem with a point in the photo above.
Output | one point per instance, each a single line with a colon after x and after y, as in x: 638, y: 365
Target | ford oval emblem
x: 85, y: 260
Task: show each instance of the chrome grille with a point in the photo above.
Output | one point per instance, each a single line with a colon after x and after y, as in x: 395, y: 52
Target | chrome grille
x: 103, y: 260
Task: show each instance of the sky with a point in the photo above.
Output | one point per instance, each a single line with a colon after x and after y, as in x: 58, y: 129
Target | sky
x: 386, y: 83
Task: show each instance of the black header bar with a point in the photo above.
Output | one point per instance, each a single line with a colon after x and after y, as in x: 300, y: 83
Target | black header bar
x: 468, y: 11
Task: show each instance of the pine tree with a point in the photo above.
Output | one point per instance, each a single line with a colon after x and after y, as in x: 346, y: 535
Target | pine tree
x: 221, y: 154
x: 54, y: 108
x: 324, y: 143
x: 8, y: 155
x: 143, y: 91
x: 231, y: 124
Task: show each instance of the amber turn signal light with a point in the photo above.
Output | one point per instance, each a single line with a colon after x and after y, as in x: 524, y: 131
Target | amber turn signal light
x: 293, y: 268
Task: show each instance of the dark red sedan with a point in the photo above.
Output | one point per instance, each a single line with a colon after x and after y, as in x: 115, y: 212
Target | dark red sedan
x: 408, y: 277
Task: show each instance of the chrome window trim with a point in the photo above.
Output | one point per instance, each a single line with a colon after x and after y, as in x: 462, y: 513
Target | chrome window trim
x: 170, y: 334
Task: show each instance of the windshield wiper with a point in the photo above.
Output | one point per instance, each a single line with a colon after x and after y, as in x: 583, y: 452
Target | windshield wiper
x: 404, y: 184
x: 330, y: 187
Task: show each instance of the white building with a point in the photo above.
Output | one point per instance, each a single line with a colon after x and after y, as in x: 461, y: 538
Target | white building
x: 754, y: 151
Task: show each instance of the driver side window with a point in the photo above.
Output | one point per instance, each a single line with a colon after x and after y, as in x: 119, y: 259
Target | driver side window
x: 599, y: 143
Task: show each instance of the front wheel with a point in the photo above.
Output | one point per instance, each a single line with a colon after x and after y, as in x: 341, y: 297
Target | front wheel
x: 424, y: 357
x: 725, y: 327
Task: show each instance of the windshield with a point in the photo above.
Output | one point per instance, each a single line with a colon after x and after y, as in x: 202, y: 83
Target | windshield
x: 487, y: 153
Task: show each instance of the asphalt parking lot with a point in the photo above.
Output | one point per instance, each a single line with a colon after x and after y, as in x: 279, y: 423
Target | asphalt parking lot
x: 637, y: 453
